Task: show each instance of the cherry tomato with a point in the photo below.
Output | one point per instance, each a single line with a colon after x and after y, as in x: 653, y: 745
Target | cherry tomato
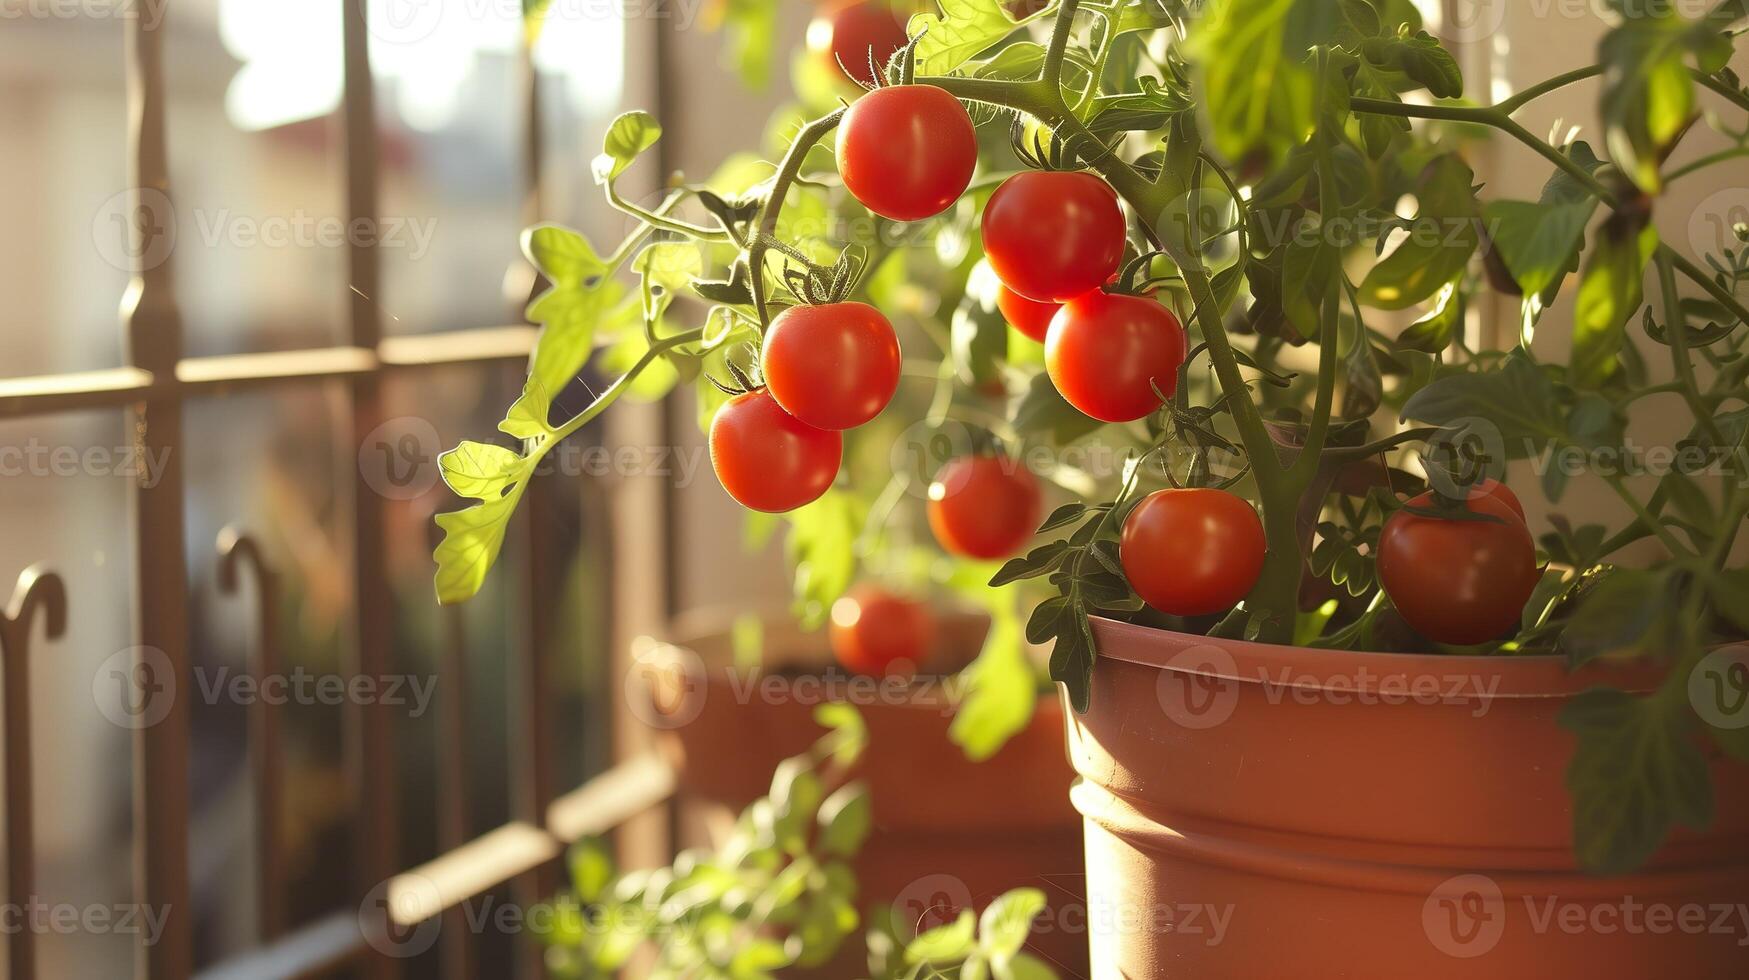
x: 1461, y: 582
x: 878, y: 633
x: 907, y: 151
x: 1192, y: 552
x: 1028, y: 316
x: 833, y: 366
x: 1052, y: 236
x: 846, y: 34
x: 983, y: 507
x: 766, y: 458
x: 1107, y: 352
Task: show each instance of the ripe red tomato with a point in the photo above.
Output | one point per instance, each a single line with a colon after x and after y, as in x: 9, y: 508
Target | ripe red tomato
x: 907, y: 151
x: 1461, y: 582
x: 1499, y: 491
x: 767, y: 458
x: 1028, y: 316
x: 1106, y: 352
x: 846, y: 34
x: 984, y: 506
x: 1052, y: 236
x: 1192, y: 552
x: 834, y: 366
x: 880, y: 634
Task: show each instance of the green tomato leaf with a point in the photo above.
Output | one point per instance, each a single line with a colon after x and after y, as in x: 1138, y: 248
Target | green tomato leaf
x: 949, y: 943
x: 471, y: 541
x: 1611, y: 290
x: 1638, y: 772
x: 1517, y: 399
x: 963, y: 30
x: 1438, y: 243
x: 627, y: 137
x: 1434, y: 332
x: 1419, y: 57
x: 845, y: 819
x: 1257, y: 82
x: 1618, y: 616
x: 1000, y: 691
x: 822, y: 549
x: 1007, y: 921
x: 1648, y: 97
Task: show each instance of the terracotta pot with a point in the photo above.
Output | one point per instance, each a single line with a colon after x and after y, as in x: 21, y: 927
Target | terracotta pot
x: 1267, y: 811
x: 947, y: 832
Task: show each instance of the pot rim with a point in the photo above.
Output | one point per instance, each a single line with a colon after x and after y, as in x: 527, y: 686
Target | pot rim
x: 1249, y: 662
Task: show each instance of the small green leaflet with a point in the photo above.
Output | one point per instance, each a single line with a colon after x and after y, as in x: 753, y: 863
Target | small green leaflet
x: 581, y: 297
x: 963, y: 30
x: 473, y: 537
x: 628, y: 136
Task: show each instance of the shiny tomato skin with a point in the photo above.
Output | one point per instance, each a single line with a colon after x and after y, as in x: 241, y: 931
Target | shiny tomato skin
x: 769, y: 460
x: 845, y: 34
x: 833, y: 366
x: 1028, y: 316
x: 1192, y: 552
x: 1051, y: 236
x: 1106, y: 352
x: 983, y: 506
x: 879, y: 633
x: 907, y: 152
x: 1459, y: 582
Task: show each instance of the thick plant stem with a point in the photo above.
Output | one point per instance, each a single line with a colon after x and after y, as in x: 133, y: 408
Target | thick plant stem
x: 773, y: 206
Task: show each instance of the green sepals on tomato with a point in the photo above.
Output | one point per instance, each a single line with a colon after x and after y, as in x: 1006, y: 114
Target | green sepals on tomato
x: 1461, y: 578
x: 1114, y: 356
x: 879, y: 633
x: 769, y: 460
x: 984, y: 506
x: 1192, y: 552
x: 1053, y: 235
x: 907, y: 152
x: 833, y: 365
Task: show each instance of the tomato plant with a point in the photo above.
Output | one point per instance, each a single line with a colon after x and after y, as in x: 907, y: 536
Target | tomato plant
x: 766, y: 458
x: 907, y: 152
x: 1052, y: 236
x: 983, y: 506
x: 1464, y: 579
x: 1318, y: 306
x: 1114, y: 357
x: 881, y: 633
x: 833, y: 366
x: 1192, y: 552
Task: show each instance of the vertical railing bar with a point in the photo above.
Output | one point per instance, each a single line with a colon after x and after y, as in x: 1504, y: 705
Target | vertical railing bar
x: 35, y: 587
x: 459, y: 945
x: 530, y: 742
x: 265, y: 753
x: 370, y: 746
x: 154, y: 334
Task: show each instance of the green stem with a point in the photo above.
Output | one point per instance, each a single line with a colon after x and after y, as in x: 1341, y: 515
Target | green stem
x: 619, y: 387
x: 1323, y: 405
x: 1713, y: 289
x: 773, y: 206
x: 1541, y: 89
x: 1676, y: 329
x: 1052, y: 74
x: 1646, y: 517
x: 1705, y: 162
x: 657, y: 219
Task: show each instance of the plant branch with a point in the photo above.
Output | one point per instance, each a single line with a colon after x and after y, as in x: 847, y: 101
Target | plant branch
x: 773, y: 206
x: 1052, y: 74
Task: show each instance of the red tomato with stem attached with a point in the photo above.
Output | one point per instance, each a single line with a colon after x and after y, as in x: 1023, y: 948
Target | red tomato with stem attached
x: 847, y: 34
x: 983, y: 506
x: 1459, y: 581
x: 879, y: 633
x: 833, y: 366
x: 1107, y: 352
x: 1028, y: 316
x: 907, y: 152
x: 1192, y: 552
x: 1052, y: 236
x: 769, y: 460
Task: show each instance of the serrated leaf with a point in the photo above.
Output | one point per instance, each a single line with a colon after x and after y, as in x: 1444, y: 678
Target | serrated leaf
x: 1434, y: 332
x: 480, y: 470
x: 1517, y: 398
x: 963, y: 30
x: 471, y: 541
x: 1419, y: 57
x: 1636, y: 774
